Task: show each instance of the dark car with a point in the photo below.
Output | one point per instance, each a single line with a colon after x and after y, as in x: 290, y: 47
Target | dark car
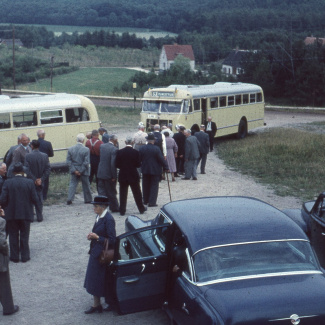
x: 311, y: 218
x: 241, y: 261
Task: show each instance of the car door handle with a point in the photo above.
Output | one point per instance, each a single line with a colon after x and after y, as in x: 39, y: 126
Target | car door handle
x: 185, y: 309
x: 132, y: 280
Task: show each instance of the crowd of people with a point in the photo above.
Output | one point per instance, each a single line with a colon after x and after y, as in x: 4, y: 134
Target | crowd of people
x: 24, y: 183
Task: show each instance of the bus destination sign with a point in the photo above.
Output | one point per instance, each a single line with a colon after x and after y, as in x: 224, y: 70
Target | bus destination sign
x: 162, y: 94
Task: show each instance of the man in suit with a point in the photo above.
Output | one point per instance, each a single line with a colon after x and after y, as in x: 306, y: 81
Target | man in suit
x: 45, y: 147
x: 107, y: 173
x: 3, y: 172
x: 211, y: 130
x: 128, y: 160
x: 9, y: 154
x: 152, y: 162
x: 18, y: 196
x: 204, y: 147
x: 104, y: 134
x: 38, y: 169
x: 78, y: 162
x: 180, y: 139
x: 192, y: 154
x: 93, y: 144
x: 5, y: 288
x: 22, y: 150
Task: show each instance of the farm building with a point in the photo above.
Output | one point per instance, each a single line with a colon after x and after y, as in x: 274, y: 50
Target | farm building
x: 170, y: 52
x: 232, y: 65
x: 311, y: 40
x: 9, y: 42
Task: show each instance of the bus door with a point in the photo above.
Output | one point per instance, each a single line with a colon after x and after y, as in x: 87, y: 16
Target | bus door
x: 204, y: 110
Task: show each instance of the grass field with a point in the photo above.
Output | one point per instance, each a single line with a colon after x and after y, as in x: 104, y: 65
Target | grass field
x: 89, y: 81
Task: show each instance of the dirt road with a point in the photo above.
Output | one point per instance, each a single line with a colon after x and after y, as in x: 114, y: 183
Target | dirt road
x: 49, y: 288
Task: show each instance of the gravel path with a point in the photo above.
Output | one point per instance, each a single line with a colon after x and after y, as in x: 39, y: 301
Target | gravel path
x: 49, y: 288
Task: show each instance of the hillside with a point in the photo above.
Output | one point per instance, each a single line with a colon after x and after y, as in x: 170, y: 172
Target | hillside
x: 224, y: 16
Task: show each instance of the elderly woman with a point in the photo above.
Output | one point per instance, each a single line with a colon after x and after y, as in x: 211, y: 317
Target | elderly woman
x: 172, y: 149
x: 104, y: 228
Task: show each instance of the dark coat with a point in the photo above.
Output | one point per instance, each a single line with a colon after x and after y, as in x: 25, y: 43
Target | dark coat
x: 213, y: 127
x: 46, y: 147
x: 152, y: 160
x: 180, y: 139
x: 18, y: 196
x: 4, y: 250
x: 128, y: 160
x: 38, y: 165
x: 204, y: 142
x: 95, y: 282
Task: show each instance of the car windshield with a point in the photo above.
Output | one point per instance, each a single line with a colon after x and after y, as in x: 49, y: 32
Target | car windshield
x: 253, y: 259
x: 165, y: 107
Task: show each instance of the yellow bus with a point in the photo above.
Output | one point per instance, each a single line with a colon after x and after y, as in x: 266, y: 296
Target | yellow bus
x: 61, y: 116
x: 236, y: 108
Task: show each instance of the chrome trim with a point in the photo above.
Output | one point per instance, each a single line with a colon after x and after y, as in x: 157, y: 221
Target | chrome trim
x: 166, y: 217
x: 290, y: 318
x: 257, y: 276
x: 251, y: 242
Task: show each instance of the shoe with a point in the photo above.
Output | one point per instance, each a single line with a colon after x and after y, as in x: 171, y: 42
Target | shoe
x: 88, y: 202
x: 176, y: 175
x: 108, y: 308
x: 24, y: 261
x: 194, y: 179
x: 211, y: 150
x: 185, y: 179
x: 152, y: 205
x: 122, y: 214
x: 14, y: 260
x: 69, y: 202
x: 16, y: 308
x: 145, y: 209
x: 202, y: 172
x: 173, y: 179
x: 115, y: 210
x: 91, y: 310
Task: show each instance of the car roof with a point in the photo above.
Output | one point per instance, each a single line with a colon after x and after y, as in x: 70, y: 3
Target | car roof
x: 212, y: 221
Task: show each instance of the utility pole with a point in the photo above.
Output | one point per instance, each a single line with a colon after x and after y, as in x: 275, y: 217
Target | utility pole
x: 52, y: 63
x: 13, y: 58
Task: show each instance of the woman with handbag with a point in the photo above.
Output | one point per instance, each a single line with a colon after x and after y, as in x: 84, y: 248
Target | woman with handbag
x: 104, y: 229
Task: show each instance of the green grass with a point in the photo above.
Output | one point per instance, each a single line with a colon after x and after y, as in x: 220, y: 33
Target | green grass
x: 291, y: 161
x: 89, y: 81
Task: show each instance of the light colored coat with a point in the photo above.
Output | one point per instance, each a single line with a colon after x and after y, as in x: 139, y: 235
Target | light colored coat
x: 78, y: 158
x: 106, y: 167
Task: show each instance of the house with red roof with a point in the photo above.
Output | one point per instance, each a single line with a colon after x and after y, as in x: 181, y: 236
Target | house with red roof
x: 311, y: 40
x: 170, y: 52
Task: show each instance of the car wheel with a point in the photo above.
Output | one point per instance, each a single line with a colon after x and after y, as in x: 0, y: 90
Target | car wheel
x: 242, y: 129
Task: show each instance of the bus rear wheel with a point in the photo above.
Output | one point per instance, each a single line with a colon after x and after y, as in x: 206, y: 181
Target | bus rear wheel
x: 242, y: 129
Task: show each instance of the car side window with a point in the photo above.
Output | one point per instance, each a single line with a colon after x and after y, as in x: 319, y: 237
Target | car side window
x: 142, y: 244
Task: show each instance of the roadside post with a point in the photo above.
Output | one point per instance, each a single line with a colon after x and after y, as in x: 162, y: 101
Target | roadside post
x: 134, y: 97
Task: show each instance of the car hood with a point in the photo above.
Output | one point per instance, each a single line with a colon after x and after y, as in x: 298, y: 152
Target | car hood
x: 269, y: 300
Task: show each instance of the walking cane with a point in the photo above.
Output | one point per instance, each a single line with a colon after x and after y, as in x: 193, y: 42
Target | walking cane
x: 170, y: 195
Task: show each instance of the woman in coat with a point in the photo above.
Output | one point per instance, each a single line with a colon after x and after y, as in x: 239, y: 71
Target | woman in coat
x: 171, y: 154
x: 96, y: 279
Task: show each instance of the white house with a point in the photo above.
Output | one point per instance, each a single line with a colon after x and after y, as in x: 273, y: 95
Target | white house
x: 170, y: 52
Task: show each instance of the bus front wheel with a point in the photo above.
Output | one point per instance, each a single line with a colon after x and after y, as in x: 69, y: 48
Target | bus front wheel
x: 242, y: 129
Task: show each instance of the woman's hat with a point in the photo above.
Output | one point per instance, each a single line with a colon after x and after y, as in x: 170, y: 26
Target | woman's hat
x: 150, y: 136
x: 100, y: 200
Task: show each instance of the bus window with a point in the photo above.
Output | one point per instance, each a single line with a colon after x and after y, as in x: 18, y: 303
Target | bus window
x: 231, y: 100
x: 245, y: 99
x: 49, y: 117
x: 171, y: 107
x: 238, y: 99
x: 185, y: 106
x: 214, y: 102
x: 150, y: 106
x: 259, y: 97
x: 196, y: 104
x: 5, y: 121
x: 76, y: 115
x: 223, y: 101
x: 252, y: 98
x: 23, y: 119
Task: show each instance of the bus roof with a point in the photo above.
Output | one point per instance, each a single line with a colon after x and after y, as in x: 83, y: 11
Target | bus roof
x: 39, y: 102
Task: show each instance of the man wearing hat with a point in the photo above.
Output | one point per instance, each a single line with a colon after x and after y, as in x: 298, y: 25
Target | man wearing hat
x: 18, y: 196
x: 152, y: 161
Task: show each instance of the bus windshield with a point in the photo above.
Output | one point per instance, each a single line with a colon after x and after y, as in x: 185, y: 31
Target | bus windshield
x: 162, y: 106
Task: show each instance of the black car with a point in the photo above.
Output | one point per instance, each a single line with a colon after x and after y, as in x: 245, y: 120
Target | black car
x: 239, y: 261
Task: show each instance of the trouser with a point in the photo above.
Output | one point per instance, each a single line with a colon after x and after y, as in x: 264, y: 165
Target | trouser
x: 203, y: 159
x: 5, y: 293
x: 45, y: 187
x: 150, y: 187
x: 94, y: 162
x: 39, y: 208
x: 211, y: 139
x: 190, y: 168
x: 136, y: 190
x: 18, y: 231
x: 180, y: 164
x: 74, y: 180
x: 107, y: 187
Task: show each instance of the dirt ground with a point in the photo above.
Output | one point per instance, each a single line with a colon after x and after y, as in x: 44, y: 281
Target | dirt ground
x: 49, y: 288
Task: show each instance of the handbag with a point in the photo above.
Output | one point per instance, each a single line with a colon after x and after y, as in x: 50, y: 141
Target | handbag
x: 107, y: 254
